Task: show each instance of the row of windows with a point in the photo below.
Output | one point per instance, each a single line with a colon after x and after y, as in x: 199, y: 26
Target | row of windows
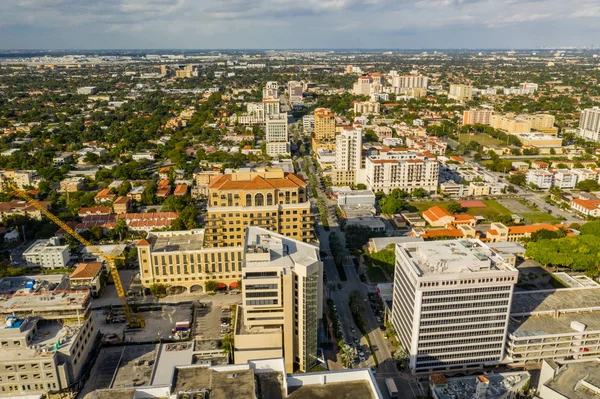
x: 466, y: 282
x: 465, y: 298
x: 466, y: 291
x: 254, y: 302
x: 429, y: 308
x: 458, y: 350
x: 268, y: 294
x: 487, y: 311
x: 470, y: 362
x: 251, y: 287
x: 462, y: 342
x: 460, y: 327
x: 453, y: 320
x: 28, y: 387
x: 438, y: 337
x: 423, y: 358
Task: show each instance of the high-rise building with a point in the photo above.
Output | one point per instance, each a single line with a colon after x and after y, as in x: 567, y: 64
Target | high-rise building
x: 271, y: 91
x: 276, y: 135
x: 363, y: 86
x: 589, y: 124
x: 410, y: 81
x: 403, y: 169
x: 295, y: 91
x: 451, y: 304
x: 268, y: 198
x: 477, y: 116
x: 460, y: 92
x: 308, y: 123
x: 282, y: 304
x: 324, y: 130
x: 270, y: 107
x: 510, y: 123
x: 347, y: 156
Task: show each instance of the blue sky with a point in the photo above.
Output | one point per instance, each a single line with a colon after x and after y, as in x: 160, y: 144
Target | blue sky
x: 203, y: 24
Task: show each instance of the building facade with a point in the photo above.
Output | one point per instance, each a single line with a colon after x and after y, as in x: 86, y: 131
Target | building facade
x: 347, y: 156
x: 460, y: 92
x: 451, y: 304
x: 589, y: 124
x: 405, y: 170
x: 48, y: 254
x: 479, y: 116
x: 324, y: 130
x: 268, y: 198
x: 276, y: 135
x: 282, y: 303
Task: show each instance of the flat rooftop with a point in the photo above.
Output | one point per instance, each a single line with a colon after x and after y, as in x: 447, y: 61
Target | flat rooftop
x: 341, y: 390
x: 169, y: 356
x: 453, y: 257
x: 530, y: 326
x: 266, y: 248
x: 566, y: 382
x: 222, y: 385
x: 498, y: 386
x: 180, y: 242
x: 546, y: 301
x: 63, y: 301
x: 41, y: 283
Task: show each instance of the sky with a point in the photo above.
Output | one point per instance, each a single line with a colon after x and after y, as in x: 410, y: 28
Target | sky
x: 297, y: 24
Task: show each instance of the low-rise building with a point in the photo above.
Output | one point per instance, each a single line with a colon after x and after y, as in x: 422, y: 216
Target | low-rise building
x: 47, y: 254
x: 579, y: 380
x: 104, y: 196
x: 87, y: 276
x: 439, y: 217
x: 72, y: 184
x: 122, y: 204
x: 499, y: 232
x: 587, y: 207
x: 540, y: 178
x: 21, y: 208
x: 509, y: 385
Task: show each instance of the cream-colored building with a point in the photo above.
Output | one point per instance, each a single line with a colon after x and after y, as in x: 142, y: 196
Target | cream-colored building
x: 20, y: 178
x: 366, y: 107
x: 510, y: 123
x: 477, y: 116
x: 282, y: 301
x: 324, y: 131
x: 347, y: 156
x: 47, y: 352
x: 460, y: 92
x: 268, y: 197
x: 72, y: 184
x: 180, y: 260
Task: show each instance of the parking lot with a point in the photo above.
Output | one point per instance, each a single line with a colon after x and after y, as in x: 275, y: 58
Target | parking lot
x: 159, y: 323
x: 209, y: 321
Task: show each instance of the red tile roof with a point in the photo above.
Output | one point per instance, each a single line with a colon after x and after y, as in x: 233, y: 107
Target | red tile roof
x: 86, y: 270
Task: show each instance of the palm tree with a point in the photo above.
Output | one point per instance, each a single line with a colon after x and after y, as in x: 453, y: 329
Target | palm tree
x: 227, y: 345
x: 347, y: 354
x: 120, y: 229
x: 401, y: 356
x: 356, y: 303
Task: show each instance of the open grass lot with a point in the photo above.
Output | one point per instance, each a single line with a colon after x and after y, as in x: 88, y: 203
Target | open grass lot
x: 540, y: 217
x: 376, y: 275
x: 493, y: 207
x: 481, y: 138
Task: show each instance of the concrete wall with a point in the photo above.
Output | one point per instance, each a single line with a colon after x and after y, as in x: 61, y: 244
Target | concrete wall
x: 330, y: 377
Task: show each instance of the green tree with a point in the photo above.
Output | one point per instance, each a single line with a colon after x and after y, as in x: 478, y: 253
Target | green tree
x: 401, y: 356
x: 211, y: 286
x: 589, y: 228
x: 158, y: 290
x: 420, y: 192
x: 124, y: 188
x: 120, y: 229
x: 455, y: 207
x: 356, y: 303
x: 148, y: 195
x: 588, y: 185
x: 347, y: 355
x: 357, y: 236
x: 227, y: 344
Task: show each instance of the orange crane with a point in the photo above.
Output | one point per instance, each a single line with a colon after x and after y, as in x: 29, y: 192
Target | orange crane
x: 133, y: 320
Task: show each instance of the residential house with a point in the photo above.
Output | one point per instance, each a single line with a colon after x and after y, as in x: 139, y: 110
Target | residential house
x: 87, y: 276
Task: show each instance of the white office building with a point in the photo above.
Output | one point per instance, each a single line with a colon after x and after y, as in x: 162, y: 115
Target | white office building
x: 308, y: 123
x: 410, y: 81
x: 540, y: 178
x: 295, y: 91
x: 589, y: 124
x: 399, y: 168
x: 451, y: 304
x: 276, y: 135
x: 48, y: 254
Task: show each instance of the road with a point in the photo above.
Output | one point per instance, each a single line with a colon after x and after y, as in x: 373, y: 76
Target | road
x: 407, y: 384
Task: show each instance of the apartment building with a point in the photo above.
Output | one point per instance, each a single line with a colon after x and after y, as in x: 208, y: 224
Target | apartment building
x: 282, y: 302
x: 362, y: 87
x: 410, y: 81
x: 460, y: 92
x: 323, y: 135
x: 403, y: 169
x: 47, y: 254
x: 276, y: 136
x: 541, y: 178
x: 510, y: 123
x: 181, y: 260
x: 589, y: 124
x: 347, y: 156
x: 72, y: 184
x: 271, y: 90
x: 268, y: 197
x: 45, y: 353
x: 21, y: 208
x: 366, y: 108
x: 87, y: 276
x: 295, y: 91
x: 541, y: 122
x: 22, y: 179
x: 451, y: 304
x: 271, y: 106
x: 308, y: 123
x: 477, y: 116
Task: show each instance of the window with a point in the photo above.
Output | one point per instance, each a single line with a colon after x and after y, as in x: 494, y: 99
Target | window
x: 269, y: 199
x: 259, y: 200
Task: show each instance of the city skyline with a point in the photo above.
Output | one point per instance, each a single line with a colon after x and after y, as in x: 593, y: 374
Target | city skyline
x: 349, y: 24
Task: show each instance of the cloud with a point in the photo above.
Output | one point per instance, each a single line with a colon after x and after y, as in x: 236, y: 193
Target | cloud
x: 293, y: 23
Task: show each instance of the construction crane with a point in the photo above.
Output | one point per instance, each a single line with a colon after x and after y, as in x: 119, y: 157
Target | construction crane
x: 133, y: 320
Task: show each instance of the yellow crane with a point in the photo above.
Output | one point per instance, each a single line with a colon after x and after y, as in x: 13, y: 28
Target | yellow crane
x: 133, y: 320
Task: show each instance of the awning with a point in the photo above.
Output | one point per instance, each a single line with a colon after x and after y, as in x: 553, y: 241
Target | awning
x: 234, y: 285
x: 221, y: 285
